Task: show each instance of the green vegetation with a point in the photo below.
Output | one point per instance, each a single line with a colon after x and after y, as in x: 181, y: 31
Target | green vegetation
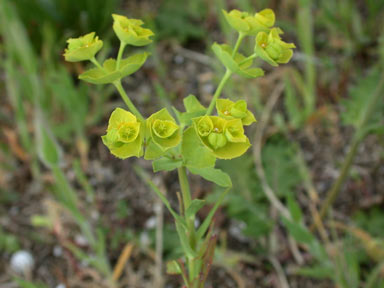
x: 306, y: 138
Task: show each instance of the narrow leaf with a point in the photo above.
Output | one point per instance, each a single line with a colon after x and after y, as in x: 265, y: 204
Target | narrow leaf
x: 214, y: 175
x: 195, y: 206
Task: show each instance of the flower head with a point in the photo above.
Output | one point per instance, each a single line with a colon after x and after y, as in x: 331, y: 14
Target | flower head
x: 125, y: 134
x: 82, y: 48
x: 235, y: 110
x: 163, y: 130
x: 129, y: 31
x: 224, y: 138
x: 272, y: 49
x: 250, y: 24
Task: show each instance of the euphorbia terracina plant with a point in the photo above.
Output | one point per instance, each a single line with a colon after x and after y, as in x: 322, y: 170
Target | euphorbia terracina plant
x: 190, y: 140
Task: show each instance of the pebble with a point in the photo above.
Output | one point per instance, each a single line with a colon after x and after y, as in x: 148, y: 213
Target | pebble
x: 22, y: 262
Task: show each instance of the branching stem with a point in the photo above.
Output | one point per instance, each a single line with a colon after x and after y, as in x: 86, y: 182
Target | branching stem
x: 127, y: 101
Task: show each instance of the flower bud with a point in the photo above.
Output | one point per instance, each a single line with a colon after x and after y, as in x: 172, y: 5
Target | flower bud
x: 128, y: 132
x: 82, y: 48
x: 204, y: 126
x: 239, y: 109
x: 231, y: 110
x: 129, y: 31
x: 225, y: 138
x: 217, y: 140
x: 163, y: 130
x: 272, y: 49
x: 125, y: 134
x: 249, y: 24
x: 234, y: 131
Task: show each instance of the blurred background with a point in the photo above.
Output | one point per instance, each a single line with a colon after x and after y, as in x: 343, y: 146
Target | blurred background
x: 92, y: 219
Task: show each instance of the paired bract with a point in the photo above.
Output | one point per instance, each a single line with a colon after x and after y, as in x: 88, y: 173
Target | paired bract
x: 82, y: 48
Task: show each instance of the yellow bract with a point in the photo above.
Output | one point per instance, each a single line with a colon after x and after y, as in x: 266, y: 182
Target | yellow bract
x: 129, y: 31
x: 125, y: 134
x: 224, y: 138
x: 272, y: 49
x: 249, y: 24
x: 82, y: 48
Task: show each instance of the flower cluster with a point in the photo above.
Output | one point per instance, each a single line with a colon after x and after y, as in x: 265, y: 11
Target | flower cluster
x: 126, y: 134
x: 222, y: 136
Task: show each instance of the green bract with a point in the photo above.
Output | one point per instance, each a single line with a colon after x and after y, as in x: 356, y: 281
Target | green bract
x: 129, y: 31
x: 163, y: 130
x: 224, y: 138
x: 230, y: 110
x: 82, y: 48
x: 236, y: 64
x: 109, y: 74
x: 272, y: 49
x: 125, y: 134
x: 249, y: 24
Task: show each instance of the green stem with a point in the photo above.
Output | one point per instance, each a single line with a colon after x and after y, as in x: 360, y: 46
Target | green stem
x: 97, y: 64
x: 224, y: 80
x: 127, y: 101
x: 120, y: 54
x: 358, y: 137
x: 184, y: 186
x: 237, y: 45
x: 226, y: 76
x: 253, y: 56
x: 186, y: 195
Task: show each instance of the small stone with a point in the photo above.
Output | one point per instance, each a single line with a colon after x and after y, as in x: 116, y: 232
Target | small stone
x: 22, y: 262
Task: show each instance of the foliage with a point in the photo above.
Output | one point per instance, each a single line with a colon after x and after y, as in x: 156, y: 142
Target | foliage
x: 168, y: 142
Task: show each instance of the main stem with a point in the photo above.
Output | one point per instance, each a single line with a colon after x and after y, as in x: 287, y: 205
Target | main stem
x: 186, y: 194
x: 127, y: 101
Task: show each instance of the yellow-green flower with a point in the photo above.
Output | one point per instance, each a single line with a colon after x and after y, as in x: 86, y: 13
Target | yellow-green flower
x: 129, y: 31
x: 163, y: 130
x: 250, y: 24
x: 235, y: 110
x: 82, y: 48
x: 272, y: 49
x: 125, y: 134
x: 224, y: 138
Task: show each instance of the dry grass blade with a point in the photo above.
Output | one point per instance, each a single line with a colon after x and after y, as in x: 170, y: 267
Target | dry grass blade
x: 257, y: 151
x: 123, y: 258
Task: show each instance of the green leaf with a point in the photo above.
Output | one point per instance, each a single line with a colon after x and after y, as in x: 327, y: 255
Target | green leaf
x: 105, y: 75
x: 298, y: 231
x: 173, y: 268
x: 166, y: 164
x: 214, y: 175
x: 153, y: 151
x: 294, y: 208
x: 131, y: 64
x: 295, y: 111
x: 235, y: 64
x: 355, y: 106
x: 48, y: 149
x: 191, y: 104
x: 318, y: 272
x: 208, y: 220
x: 194, y: 207
x: 185, y: 241
x: 186, y: 117
x: 142, y: 174
x: 194, y: 153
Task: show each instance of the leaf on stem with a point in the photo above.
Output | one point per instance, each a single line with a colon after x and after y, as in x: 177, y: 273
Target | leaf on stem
x: 214, y: 175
